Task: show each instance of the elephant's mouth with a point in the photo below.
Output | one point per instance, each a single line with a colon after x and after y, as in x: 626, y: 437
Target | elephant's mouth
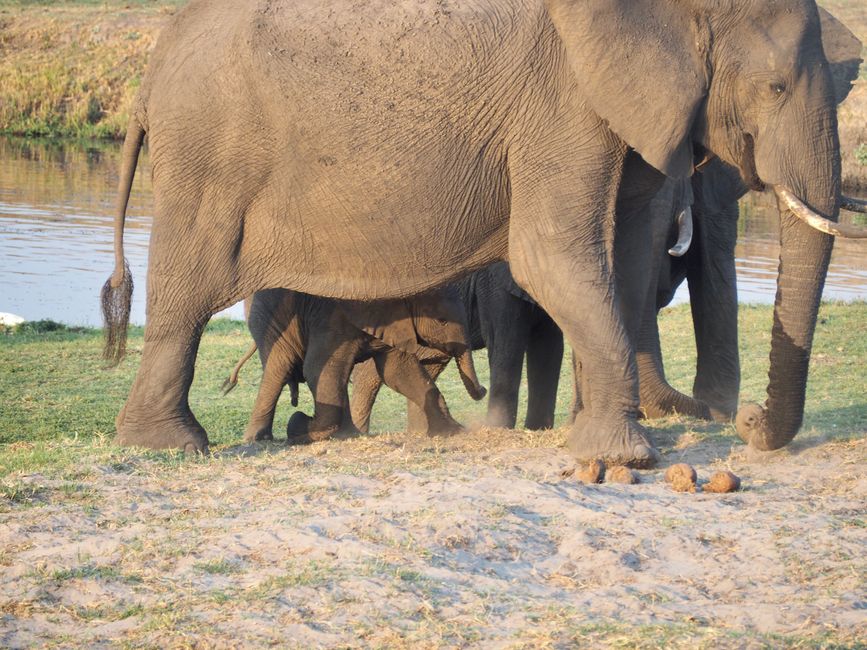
x: 791, y: 202
x: 747, y: 165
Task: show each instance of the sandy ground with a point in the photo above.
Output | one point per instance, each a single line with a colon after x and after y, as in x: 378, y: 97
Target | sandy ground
x: 482, y: 540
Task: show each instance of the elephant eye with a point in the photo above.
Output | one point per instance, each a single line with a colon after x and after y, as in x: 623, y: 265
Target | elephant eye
x: 778, y: 88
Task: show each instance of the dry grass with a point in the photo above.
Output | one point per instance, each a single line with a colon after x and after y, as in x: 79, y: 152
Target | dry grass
x: 72, y: 68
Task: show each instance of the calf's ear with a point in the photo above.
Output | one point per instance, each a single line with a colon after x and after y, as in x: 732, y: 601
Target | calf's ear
x: 641, y: 65
x: 400, y: 331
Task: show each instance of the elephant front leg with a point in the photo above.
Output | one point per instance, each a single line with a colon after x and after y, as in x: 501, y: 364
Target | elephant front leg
x: 327, y: 367
x: 366, y: 383
x: 403, y: 373
x: 416, y: 420
x: 713, y: 298
x: 559, y: 251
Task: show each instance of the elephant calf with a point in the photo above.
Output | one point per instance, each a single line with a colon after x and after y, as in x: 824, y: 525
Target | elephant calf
x: 504, y: 319
x: 302, y: 337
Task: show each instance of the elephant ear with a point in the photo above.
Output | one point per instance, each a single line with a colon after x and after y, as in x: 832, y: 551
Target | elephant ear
x: 400, y: 331
x: 641, y: 66
x: 843, y: 51
x: 717, y: 186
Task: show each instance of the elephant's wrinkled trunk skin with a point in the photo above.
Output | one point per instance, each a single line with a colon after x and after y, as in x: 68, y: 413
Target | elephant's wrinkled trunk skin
x: 467, y: 371
x: 804, y: 258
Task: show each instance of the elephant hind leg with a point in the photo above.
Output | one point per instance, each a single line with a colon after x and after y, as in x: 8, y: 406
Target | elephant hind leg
x: 279, y: 369
x: 157, y: 412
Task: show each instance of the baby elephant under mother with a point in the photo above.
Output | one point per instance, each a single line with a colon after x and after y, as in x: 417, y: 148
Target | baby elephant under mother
x: 379, y: 150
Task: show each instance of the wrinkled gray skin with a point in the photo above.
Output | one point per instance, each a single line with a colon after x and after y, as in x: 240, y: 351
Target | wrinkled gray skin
x: 377, y: 151
x: 709, y: 266
x: 506, y: 321
x: 302, y: 337
x: 709, y: 269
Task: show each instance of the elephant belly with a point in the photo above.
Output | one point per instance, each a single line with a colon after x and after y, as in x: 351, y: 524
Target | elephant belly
x: 344, y: 154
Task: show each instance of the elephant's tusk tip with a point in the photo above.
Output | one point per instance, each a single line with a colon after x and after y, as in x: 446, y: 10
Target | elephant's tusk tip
x: 684, y: 233
x: 797, y: 207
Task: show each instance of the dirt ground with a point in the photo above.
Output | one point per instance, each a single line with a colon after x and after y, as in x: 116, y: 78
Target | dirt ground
x: 482, y: 540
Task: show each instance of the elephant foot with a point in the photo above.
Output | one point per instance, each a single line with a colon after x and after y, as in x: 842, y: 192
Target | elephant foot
x: 500, y: 417
x: 668, y: 401
x: 300, y: 430
x: 441, y: 423
x: 617, y: 442
x: 178, y: 432
x: 445, y: 429
x: 258, y: 432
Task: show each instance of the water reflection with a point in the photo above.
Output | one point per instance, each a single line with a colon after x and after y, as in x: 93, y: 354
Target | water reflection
x: 757, y: 257
x: 56, y: 203
x: 56, y: 229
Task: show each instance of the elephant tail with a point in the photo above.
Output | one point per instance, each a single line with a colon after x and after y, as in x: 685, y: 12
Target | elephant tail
x: 232, y: 380
x: 116, y: 295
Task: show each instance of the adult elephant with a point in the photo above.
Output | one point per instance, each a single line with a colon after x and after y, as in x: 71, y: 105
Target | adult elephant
x: 510, y: 325
x: 708, y: 267
x: 378, y: 152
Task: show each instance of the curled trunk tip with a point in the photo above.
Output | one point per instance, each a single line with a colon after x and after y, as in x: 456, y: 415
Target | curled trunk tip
x: 467, y: 371
x: 755, y: 430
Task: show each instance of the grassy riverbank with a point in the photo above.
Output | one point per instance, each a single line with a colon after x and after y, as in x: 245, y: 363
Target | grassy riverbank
x: 395, y: 540
x: 71, y: 67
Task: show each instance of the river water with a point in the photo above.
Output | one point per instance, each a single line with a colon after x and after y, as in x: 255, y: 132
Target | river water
x: 56, y: 204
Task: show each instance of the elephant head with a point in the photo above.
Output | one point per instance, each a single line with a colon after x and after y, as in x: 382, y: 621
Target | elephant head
x: 437, y: 320
x: 755, y: 83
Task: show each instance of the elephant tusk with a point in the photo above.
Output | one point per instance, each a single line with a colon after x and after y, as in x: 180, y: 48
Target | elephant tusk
x: 684, y: 233
x: 853, y: 205
x: 805, y: 214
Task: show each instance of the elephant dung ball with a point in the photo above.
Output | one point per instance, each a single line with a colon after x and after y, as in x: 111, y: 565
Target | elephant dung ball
x: 594, y: 472
x: 621, y: 474
x: 682, y: 477
x: 722, y: 482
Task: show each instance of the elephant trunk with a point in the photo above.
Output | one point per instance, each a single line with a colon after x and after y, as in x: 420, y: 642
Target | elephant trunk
x: 804, y: 257
x: 467, y: 371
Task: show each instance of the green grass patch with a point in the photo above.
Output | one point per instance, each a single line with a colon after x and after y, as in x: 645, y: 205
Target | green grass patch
x: 60, y: 401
